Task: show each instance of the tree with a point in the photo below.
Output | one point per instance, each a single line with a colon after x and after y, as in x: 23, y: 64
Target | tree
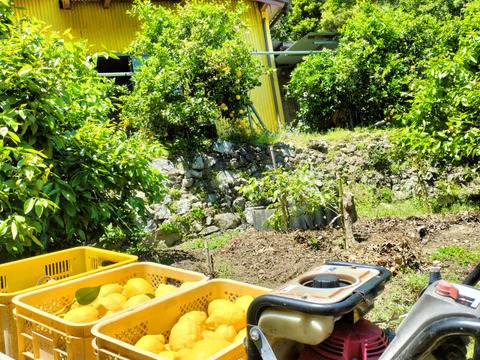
x: 195, y: 68
x: 370, y: 74
x: 65, y: 170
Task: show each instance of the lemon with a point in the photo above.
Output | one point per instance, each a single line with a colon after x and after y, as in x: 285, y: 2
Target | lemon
x: 195, y: 316
x: 240, y: 111
x: 182, y: 354
x: 135, y: 300
x: 108, y: 289
x: 186, y: 283
x: 244, y: 302
x: 239, y: 73
x: 169, y: 354
x: 206, y: 348
x: 137, y: 286
x: 80, y: 315
x: 184, y: 334
x: 120, y: 298
x: 238, y: 97
x: 241, y: 335
x: 217, y: 303
x: 227, y: 314
x: 226, y: 332
x: 223, y: 106
x: 107, y: 303
x: 163, y: 289
x: 152, y: 343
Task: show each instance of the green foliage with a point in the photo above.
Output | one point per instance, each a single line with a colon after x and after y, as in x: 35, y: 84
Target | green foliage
x: 444, y: 120
x: 456, y: 253
x: 197, y: 213
x: 295, y: 191
x: 198, y: 70
x: 169, y: 227
x: 370, y: 73
x: 65, y: 170
x: 175, y: 193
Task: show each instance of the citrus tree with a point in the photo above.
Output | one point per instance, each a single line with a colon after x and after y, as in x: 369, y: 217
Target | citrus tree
x: 65, y: 170
x: 443, y: 123
x: 194, y: 68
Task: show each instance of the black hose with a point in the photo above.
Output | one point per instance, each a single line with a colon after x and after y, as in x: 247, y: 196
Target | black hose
x: 473, y: 278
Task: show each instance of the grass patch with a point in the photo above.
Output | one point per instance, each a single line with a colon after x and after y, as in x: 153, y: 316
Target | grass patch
x: 214, y: 241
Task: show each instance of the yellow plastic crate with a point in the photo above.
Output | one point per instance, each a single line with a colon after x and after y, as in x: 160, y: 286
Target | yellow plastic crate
x: 115, y: 338
x: 18, y: 277
x: 42, y: 335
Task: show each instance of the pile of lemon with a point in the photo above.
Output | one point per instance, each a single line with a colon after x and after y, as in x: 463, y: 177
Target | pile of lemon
x: 198, y: 335
x: 115, y: 297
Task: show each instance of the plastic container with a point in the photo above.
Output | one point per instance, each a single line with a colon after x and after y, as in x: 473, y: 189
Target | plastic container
x: 42, y: 335
x: 115, y: 338
x: 18, y: 277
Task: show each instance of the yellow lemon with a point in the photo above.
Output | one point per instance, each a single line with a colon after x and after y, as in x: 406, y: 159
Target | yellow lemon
x: 135, y: 300
x: 184, y: 334
x: 195, y: 316
x: 120, y: 298
x: 244, y: 302
x: 169, y: 354
x: 182, y: 354
x: 110, y: 289
x: 238, y: 97
x: 214, y: 304
x: 227, y: 314
x: 138, y: 286
x: 241, y: 335
x: 81, y: 315
x: 206, y: 348
x: 107, y: 303
x: 163, y: 289
x: 451, y: 129
x: 239, y: 73
x: 240, y: 111
x: 223, y: 106
x: 226, y: 332
x: 152, y: 343
x: 186, y: 283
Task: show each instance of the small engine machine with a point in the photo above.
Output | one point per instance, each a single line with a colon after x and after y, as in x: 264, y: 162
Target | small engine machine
x: 320, y: 316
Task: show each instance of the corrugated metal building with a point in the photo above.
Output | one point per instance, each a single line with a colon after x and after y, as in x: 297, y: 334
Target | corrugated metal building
x: 105, y: 24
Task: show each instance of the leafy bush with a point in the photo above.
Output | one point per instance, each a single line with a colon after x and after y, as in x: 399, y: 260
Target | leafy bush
x: 369, y: 76
x: 290, y: 193
x: 443, y: 123
x: 65, y: 171
x: 197, y: 69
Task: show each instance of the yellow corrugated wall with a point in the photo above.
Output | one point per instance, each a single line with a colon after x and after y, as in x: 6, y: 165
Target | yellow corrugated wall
x: 113, y: 30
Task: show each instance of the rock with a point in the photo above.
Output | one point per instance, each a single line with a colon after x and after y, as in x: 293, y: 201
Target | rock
x: 227, y: 221
x: 223, y: 147
x: 209, y: 230
x: 161, y: 212
x: 239, y: 203
x: 193, y: 174
x: 168, y: 239
x: 165, y: 167
x: 211, y: 198
x: 183, y: 206
x: 319, y: 145
x: 198, y: 163
x: 187, y: 182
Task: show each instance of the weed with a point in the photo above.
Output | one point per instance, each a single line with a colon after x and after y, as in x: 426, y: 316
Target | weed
x: 175, y: 193
x: 169, y: 227
x: 459, y: 254
x: 197, y: 213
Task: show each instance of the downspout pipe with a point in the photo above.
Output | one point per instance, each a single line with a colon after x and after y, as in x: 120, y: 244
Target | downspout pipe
x: 272, y: 80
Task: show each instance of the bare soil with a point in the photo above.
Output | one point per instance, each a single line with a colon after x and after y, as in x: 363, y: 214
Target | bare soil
x: 270, y: 258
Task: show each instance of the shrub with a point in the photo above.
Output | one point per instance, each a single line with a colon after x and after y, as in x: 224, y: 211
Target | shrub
x: 197, y: 69
x: 65, y: 171
x: 368, y: 78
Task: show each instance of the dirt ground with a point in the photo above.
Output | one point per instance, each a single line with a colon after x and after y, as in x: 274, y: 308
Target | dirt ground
x: 270, y: 259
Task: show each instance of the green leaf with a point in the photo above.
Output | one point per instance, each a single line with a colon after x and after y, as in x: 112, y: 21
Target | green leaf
x: 28, y: 205
x: 87, y: 295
